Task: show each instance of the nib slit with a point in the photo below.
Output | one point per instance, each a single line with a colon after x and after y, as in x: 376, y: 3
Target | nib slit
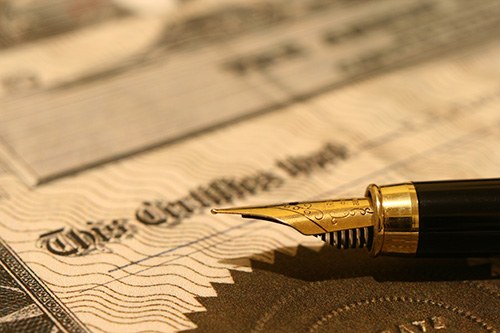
x: 312, y: 218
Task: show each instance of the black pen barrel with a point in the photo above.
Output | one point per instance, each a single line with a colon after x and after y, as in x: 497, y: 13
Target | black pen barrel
x: 458, y: 218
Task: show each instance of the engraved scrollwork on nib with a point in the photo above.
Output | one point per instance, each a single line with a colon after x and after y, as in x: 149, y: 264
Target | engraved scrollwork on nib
x: 342, y: 214
x: 336, y: 216
x: 305, y: 209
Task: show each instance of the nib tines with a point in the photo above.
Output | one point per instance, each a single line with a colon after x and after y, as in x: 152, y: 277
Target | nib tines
x: 312, y: 218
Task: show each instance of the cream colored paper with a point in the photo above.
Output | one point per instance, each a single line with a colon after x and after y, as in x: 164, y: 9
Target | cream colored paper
x: 435, y: 120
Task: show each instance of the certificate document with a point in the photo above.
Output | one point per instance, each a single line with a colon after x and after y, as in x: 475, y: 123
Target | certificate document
x: 119, y: 133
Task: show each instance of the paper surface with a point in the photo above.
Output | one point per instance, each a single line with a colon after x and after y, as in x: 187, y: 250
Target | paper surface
x: 130, y: 245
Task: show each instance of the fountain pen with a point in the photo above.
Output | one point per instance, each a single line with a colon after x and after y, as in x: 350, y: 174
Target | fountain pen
x: 454, y: 218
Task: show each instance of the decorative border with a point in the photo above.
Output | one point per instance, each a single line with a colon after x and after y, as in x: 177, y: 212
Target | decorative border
x: 38, y: 292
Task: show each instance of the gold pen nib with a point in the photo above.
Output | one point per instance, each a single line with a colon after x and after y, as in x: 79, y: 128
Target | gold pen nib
x: 312, y: 218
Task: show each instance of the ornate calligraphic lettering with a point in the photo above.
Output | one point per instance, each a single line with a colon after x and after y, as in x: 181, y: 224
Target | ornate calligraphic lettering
x: 73, y: 242
x: 219, y: 191
x: 303, y: 165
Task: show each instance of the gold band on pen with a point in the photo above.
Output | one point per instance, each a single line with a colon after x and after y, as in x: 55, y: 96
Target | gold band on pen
x: 396, y: 222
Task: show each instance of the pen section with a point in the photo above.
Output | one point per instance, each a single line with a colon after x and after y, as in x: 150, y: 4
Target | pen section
x: 459, y: 218
x: 351, y: 238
